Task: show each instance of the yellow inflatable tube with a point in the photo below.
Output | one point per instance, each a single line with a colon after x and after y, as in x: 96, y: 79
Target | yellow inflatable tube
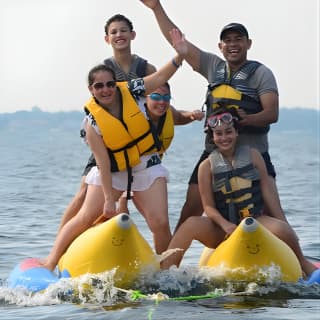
x: 116, y: 243
x: 249, y: 250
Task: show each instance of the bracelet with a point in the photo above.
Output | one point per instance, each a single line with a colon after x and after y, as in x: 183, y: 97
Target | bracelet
x: 175, y: 64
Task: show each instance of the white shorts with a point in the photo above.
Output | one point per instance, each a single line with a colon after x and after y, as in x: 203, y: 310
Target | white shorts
x: 142, y: 177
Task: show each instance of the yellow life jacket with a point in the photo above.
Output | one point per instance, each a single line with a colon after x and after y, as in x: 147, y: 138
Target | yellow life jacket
x: 126, y: 139
x: 165, y: 131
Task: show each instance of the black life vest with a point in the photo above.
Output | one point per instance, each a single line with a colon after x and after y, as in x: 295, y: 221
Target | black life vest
x: 236, y: 188
x: 235, y: 91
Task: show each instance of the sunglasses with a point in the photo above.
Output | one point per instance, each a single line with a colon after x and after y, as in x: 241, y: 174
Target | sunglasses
x: 100, y: 85
x: 158, y: 97
x: 226, y: 118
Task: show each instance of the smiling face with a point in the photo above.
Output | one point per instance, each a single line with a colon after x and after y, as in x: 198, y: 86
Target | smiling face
x: 101, y: 87
x: 234, y: 47
x: 119, y: 35
x: 158, y: 108
x: 225, y: 137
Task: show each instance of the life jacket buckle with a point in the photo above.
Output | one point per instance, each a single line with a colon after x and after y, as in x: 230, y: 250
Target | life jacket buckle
x: 244, y: 213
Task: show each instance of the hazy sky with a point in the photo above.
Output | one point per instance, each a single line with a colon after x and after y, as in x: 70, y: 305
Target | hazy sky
x: 48, y: 46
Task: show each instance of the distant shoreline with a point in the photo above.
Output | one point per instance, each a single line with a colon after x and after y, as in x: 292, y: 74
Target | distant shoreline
x: 289, y: 119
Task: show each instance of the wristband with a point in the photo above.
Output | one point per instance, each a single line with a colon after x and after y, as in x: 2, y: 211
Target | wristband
x: 175, y: 64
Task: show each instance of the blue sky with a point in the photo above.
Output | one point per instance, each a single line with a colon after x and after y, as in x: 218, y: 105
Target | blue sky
x: 48, y: 47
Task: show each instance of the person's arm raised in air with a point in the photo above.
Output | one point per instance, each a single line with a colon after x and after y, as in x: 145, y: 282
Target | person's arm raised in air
x: 155, y: 80
x: 192, y: 53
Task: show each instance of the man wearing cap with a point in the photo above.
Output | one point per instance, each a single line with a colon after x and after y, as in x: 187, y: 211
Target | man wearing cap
x: 249, y: 86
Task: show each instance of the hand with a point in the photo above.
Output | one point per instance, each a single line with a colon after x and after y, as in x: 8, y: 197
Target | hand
x: 178, y: 42
x: 228, y: 227
x: 109, y: 208
x: 243, y: 117
x: 197, y: 115
x: 150, y: 3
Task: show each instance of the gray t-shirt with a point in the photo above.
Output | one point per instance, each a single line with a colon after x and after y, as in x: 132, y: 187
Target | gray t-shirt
x: 262, y: 81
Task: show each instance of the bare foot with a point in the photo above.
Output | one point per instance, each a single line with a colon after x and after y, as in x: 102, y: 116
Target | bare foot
x: 45, y: 263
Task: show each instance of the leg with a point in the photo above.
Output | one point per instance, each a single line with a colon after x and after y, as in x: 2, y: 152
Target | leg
x: 202, y: 229
x: 123, y: 204
x: 192, y: 205
x: 77, y: 201
x: 284, y: 232
x: 280, y: 214
x: 153, y: 205
x: 91, y: 209
x: 75, y: 204
x: 272, y: 186
x: 274, y: 190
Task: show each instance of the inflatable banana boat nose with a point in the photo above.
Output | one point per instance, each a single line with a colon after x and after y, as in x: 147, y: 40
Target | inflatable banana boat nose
x: 116, y: 243
x: 248, y: 250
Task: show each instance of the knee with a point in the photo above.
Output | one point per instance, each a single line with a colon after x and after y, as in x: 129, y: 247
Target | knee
x: 190, y: 224
x: 159, y: 225
x: 281, y: 229
x: 288, y: 232
x: 191, y: 220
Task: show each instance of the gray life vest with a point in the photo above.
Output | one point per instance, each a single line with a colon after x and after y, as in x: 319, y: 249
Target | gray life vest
x: 236, y: 187
x: 138, y: 68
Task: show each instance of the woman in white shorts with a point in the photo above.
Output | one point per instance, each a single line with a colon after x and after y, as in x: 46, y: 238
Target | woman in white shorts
x: 163, y: 117
x: 109, y: 104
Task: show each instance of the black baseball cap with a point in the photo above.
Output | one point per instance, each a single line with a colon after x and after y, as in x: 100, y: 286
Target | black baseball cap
x: 235, y: 27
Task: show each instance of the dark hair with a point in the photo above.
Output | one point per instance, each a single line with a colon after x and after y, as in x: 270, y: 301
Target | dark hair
x: 118, y: 17
x: 99, y: 67
x: 167, y: 85
x: 222, y: 108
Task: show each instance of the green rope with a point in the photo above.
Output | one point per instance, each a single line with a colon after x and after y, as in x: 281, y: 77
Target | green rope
x: 150, y: 313
x: 189, y: 298
x: 136, y: 295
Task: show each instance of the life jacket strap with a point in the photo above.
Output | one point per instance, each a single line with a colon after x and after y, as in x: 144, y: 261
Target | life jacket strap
x: 130, y: 177
x: 232, y: 173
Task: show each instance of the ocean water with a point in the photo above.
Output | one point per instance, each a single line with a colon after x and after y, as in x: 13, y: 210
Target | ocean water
x: 41, y: 164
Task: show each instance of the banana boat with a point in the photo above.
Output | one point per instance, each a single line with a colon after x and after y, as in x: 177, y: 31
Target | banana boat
x: 116, y: 243
x: 249, y: 251
x: 245, y: 255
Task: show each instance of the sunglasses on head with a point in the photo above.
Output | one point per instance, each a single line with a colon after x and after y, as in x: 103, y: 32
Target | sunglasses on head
x: 225, y: 117
x: 158, y: 97
x: 100, y: 85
